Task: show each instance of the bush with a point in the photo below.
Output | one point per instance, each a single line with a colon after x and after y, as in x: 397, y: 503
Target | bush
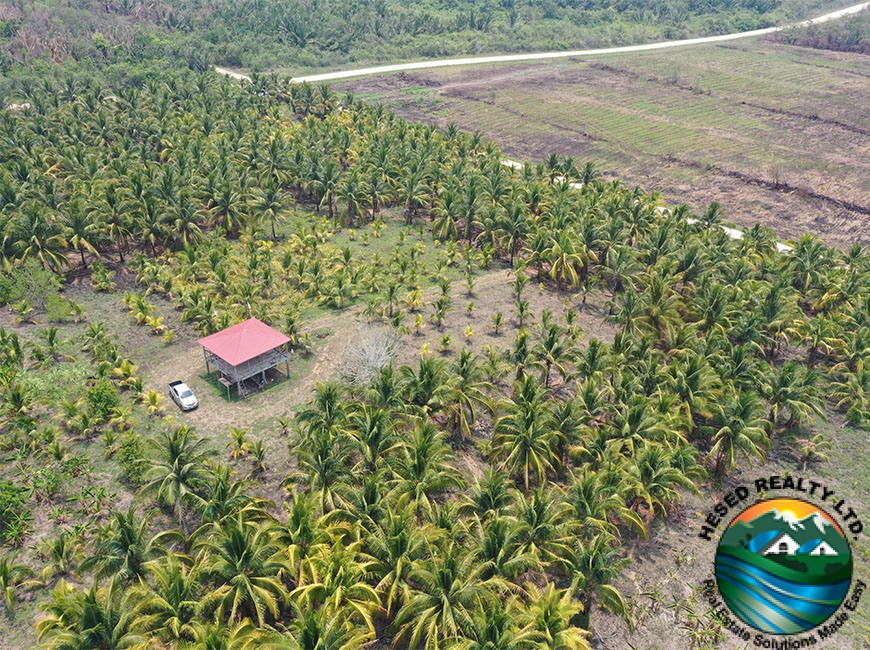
x: 59, y: 309
x: 103, y: 397
x: 29, y: 281
x: 130, y: 453
x: 15, y: 516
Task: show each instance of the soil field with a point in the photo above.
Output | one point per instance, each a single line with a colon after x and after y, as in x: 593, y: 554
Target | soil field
x: 776, y: 134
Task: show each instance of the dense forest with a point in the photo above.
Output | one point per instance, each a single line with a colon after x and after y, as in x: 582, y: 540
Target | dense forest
x: 310, y: 34
x: 848, y: 35
x: 228, y: 200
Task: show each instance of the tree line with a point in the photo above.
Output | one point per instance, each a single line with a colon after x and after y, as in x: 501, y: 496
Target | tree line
x: 311, y: 34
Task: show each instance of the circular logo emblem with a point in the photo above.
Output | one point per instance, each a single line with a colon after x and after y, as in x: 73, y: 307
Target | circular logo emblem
x: 783, y: 566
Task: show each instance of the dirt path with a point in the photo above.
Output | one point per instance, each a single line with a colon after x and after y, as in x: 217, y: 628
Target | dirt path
x: 539, y: 56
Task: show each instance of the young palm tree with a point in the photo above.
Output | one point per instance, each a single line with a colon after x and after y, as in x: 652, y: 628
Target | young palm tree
x: 550, y: 613
x: 656, y: 477
x: 542, y: 524
x: 597, y: 507
x: 13, y: 576
x: 96, y: 618
x: 177, y: 472
x: 334, y: 580
x: 122, y: 556
x: 496, y: 629
x: 793, y: 390
x: 466, y: 394
x: 169, y: 609
x: 490, y: 496
x: 501, y: 551
x: 522, y: 438
x: 373, y: 430
x: 591, y: 567
x: 423, y: 469
x: 246, y: 563
x: 740, y: 431
x: 397, y: 544
x: 449, y: 595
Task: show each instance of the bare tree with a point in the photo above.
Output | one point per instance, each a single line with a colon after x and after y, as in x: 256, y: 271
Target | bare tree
x: 371, y: 350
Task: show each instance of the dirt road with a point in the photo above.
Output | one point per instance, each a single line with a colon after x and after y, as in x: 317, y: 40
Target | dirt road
x: 538, y: 56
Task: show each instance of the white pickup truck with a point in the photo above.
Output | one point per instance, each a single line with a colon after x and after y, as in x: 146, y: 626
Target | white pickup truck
x: 183, y: 396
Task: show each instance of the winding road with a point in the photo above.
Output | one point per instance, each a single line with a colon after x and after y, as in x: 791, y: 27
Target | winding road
x: 541, y: 56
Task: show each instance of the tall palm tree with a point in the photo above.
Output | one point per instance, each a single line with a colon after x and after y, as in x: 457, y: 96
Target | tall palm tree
x: 272, y: 204
x: 80, y: 232
x: 34, y: 235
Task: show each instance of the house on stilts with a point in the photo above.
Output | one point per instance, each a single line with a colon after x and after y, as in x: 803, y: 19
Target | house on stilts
x: 244, y: 353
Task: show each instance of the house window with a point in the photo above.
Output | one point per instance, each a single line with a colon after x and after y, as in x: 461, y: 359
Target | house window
x: 783, y: 547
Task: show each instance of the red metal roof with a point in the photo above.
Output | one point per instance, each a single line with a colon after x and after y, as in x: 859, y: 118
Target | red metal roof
x: 244, y: 341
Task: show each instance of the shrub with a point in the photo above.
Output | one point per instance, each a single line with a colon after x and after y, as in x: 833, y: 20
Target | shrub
x: 130, y: 453
x: 14, y: 513
x: 103, y: 398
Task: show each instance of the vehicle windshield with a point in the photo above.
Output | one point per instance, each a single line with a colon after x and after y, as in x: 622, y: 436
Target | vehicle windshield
x: 185, y: 393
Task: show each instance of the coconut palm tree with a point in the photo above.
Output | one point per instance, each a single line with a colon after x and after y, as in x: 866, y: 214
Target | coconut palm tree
x: 123, y: 554
x: 501, y: 552
x: 467, y: 393
x: 397, y: 544
x: 740, y: 431
x: 597, y: 506
x: 792, y: 389
x: 423, y: 469
x: 496, y: 629
x: 448, y: 596
x: 334, y: 580
x: 177, y: 471
x: 522, y: 437
x: 550, y: 613
x: 169, y: 609
x: 97, y: 618
x: 12, y: 577
x: 246, y: 563
x: 271, y: 204
x: 592, y: 566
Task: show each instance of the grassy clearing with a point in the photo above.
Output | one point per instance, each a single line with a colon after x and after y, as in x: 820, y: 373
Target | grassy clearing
x: 758, y: 126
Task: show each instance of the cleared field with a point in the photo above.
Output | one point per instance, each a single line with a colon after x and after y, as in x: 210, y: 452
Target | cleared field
x: 776, y: 134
